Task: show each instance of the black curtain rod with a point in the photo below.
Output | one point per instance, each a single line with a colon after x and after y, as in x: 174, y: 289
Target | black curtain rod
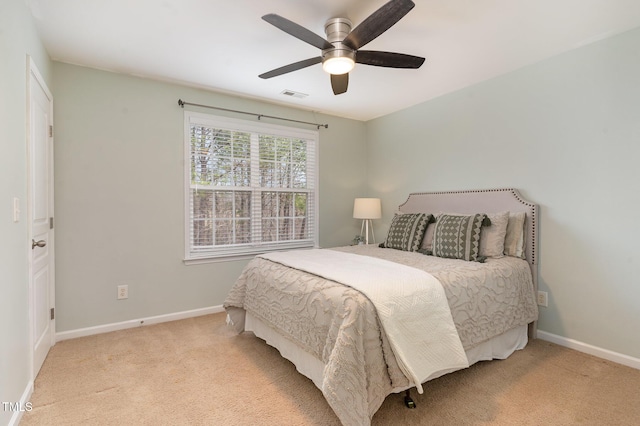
x: 183, y: 103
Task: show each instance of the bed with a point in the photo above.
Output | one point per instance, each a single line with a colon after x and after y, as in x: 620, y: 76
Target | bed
x: 363, y: 322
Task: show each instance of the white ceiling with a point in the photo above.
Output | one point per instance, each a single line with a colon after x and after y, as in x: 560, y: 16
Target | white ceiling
x: 223, y: 45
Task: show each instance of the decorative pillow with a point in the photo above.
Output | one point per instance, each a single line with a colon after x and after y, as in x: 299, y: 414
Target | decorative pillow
x: 407, y: 231
x: 514, y: 239
x: 458, y: 236
x: 492, y: 236
x: 427, y: 241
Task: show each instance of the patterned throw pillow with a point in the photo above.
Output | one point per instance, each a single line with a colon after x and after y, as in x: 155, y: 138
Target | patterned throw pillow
x: 458, y: 236
x: 407, y: 230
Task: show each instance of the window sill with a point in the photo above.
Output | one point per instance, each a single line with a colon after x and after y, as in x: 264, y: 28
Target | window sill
x: 237, y: 257
x: 218, y: 259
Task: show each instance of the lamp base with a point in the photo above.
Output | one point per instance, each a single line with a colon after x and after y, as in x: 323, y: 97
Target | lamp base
x: 365, y: 228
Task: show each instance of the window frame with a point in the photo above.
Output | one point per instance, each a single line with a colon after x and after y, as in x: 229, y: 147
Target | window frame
x: 232, y: 252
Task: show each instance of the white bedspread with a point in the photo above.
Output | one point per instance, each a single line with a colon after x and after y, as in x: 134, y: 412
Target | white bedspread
x: 411, y: 305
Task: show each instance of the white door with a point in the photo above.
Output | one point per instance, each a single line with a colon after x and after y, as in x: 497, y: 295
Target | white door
x: 40, y: 217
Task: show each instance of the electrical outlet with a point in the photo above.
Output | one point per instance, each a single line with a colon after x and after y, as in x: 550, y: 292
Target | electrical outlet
x: 543, y: 299
x: 123, y: 292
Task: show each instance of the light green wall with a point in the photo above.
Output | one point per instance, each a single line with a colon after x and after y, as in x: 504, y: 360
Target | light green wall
x: 18, y: 38
x: 119, y: 195
x: 566, y: 133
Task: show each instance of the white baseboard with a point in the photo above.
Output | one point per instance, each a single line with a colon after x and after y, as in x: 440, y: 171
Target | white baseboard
x: 619, y: 358
x: 24, y: 399
x: 89, y: 331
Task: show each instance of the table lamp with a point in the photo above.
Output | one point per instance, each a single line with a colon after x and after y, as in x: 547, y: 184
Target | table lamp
x: 367, y: 209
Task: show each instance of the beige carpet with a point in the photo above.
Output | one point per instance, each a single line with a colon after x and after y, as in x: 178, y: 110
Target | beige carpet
x: 198, y: 372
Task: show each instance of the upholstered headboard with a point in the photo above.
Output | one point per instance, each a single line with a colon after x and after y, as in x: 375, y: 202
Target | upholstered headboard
x: 482, y: 201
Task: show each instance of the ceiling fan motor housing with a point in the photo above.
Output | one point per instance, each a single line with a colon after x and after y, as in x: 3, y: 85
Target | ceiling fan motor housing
x: 337, y: 29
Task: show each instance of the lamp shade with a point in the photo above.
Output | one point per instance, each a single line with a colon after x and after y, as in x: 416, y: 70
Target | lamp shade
x: 367, y: 208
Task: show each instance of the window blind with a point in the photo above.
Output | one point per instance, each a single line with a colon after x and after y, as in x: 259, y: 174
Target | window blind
x: 250, y: 187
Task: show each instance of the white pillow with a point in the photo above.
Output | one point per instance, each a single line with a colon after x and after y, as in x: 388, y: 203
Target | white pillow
x: 427, y: 242
x: 492, y: 237
x: 514, y: 240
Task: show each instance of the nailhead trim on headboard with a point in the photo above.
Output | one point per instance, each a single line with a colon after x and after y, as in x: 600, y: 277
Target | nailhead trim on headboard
x: 531, y: 241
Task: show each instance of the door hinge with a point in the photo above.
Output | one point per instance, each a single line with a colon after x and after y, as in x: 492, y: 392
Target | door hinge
x: 50, y: 131
x: 53, y: 313
x: 50, y: 223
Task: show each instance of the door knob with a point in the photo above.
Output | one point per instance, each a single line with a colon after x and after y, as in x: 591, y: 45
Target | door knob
x: 40, y: 243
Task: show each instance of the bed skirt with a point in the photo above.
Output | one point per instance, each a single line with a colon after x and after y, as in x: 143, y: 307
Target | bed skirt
x: 499, y: 347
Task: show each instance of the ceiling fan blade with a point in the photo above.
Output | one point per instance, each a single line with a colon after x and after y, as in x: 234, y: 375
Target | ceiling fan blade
x: 377, y: 23
x: 388, y: 59
x: 297, y: 31
x: 291, y: 67
x: 339, y: 83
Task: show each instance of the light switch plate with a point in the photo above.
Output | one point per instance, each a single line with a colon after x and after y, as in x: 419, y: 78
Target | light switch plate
x: 16, y: 209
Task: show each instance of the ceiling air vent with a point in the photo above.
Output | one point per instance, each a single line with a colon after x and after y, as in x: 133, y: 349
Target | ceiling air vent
x: 293, y: 94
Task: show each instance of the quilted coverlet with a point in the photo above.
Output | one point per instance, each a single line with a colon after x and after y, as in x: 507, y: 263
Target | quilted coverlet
x: 415, y: 301
x: 340, y: 326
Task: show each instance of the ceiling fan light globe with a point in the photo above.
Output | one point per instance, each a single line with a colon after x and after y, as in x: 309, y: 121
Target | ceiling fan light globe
x: 338, y: 65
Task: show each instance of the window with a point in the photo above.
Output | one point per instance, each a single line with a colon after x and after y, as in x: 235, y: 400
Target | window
x: 250, y: 187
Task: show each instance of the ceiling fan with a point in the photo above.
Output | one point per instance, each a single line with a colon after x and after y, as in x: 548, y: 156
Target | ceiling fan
x: 340, y: 50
